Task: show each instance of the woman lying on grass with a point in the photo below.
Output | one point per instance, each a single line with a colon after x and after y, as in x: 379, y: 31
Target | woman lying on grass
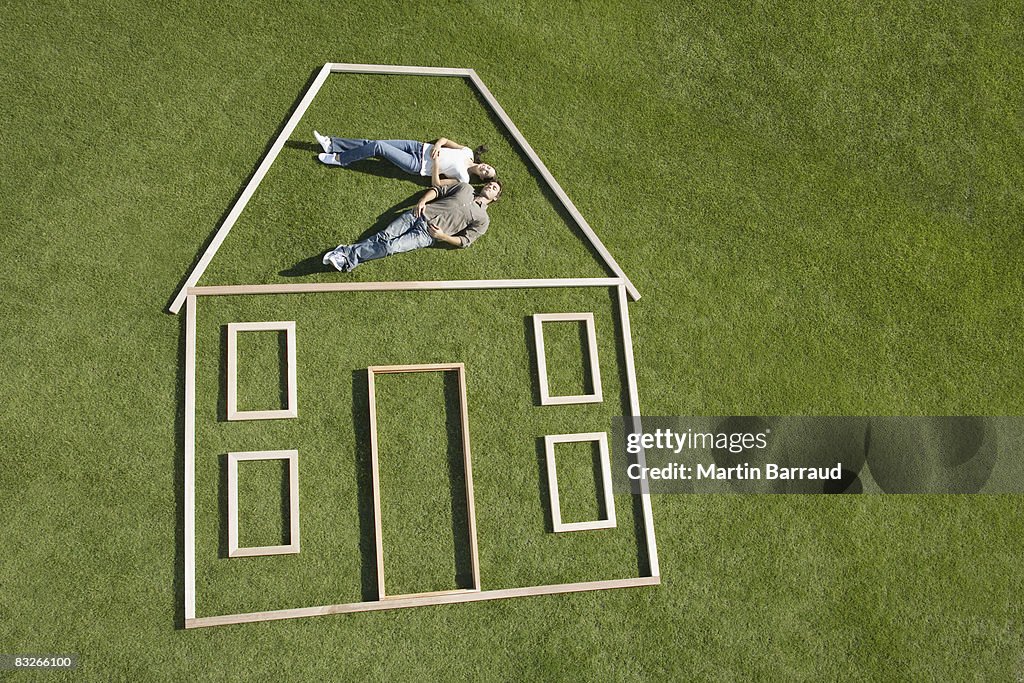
x: 452, y: 159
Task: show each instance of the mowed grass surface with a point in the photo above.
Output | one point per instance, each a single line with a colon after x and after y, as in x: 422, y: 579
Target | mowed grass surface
x: 821, y: 208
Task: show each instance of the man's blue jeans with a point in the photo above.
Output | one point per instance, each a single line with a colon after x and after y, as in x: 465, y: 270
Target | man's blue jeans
x: 405, y: 233
x: 405, y: 154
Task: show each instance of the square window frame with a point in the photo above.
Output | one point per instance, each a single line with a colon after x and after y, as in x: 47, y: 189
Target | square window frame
x: 291, y: 548
x: 608, y: 522
x: 546, y: 399
x: 292, y: 410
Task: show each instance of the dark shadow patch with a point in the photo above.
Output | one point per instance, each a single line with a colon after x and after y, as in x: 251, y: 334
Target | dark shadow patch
x: 222, y: 376
x: 364, y: 485
x: 178, y: 592
x: 309, y: 266
x: 588, y: 362
x: 304, y: 146
x: 222, y: 507
x: 595, y: 466
x: 381, y: 169
x: 531, y: 346
x: 934, y: 454
x: 282, y: 370
x: 457, y: 482
x: 543, y: 487
x: 849, y: 482
x: 285, y: 498
x: 964, y: 436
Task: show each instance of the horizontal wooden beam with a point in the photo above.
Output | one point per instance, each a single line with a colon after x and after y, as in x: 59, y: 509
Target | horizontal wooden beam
x: 307, y: 287
x: 422, y: 601
x: 429, y: 594
x: 397, y: 70
x: 422, y: 367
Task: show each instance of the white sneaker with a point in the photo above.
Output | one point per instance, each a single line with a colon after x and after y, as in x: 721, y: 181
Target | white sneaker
x: 339, y: 261
x: 329, y: 159
x: 324, y: 141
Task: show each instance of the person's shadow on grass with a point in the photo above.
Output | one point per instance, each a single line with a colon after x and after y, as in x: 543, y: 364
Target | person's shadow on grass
x: 315, y: 264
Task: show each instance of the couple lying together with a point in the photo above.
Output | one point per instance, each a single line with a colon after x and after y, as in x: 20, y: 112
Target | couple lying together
x: 449, y: 212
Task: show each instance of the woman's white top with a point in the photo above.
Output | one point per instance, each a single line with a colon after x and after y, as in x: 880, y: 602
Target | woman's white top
x: 453, y: 163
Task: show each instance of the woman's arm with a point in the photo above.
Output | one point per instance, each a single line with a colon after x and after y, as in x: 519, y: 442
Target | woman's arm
x: 450, y: 144
x: 435, y: 175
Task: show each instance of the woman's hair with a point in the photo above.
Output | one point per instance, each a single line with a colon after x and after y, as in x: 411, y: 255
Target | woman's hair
x: 482, y: 149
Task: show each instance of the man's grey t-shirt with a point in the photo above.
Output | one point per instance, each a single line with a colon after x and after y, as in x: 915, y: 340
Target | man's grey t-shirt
x: 455, y: 213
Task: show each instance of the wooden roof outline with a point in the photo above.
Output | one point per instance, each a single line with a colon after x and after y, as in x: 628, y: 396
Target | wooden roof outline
x: 250, y: 189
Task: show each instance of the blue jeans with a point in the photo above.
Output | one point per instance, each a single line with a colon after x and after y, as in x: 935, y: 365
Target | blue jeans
x: 405, y: 154
x: 405, y: 233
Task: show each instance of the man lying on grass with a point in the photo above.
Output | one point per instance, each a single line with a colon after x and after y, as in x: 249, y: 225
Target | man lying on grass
x: 448, y: 212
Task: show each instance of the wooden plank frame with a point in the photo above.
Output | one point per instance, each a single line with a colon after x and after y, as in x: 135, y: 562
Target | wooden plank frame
x: 190, y: 460
x: 292, y: 547
x: 608, y: 521
x: 546, y: 399
x: 233, y: 413
x: 652, y: 577
x: 307, y: 99
x: 634, y: 407
x: 467, y: 464
x: 410, y: 285
x: 421, y: 601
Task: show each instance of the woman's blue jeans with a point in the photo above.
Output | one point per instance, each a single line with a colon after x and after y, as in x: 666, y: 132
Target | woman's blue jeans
x: 405, y: 154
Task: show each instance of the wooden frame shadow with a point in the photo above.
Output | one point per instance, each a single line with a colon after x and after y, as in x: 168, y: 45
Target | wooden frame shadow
x: 546, y: 399
x: 292, y: 456
x: 371, y: 373
x: 233, y: 413
x: 608, y: 522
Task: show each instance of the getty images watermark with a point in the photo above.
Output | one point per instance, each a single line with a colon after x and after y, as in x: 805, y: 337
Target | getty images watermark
x: 730, y: 454
x: 729, y: 442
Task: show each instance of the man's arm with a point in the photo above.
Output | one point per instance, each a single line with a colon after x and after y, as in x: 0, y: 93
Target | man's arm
x: 428, y: 196
x: 465, y: 237
x: 442, y: 237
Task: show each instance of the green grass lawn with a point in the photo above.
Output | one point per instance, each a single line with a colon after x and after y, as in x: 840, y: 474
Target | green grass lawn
x: 820, y: 206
